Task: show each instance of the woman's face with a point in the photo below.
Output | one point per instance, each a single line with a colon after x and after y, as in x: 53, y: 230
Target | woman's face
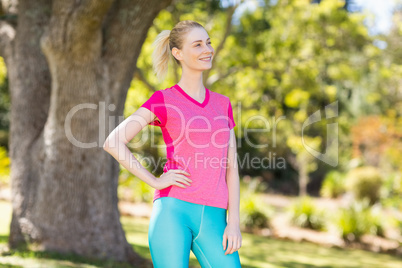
x: 197, y: 52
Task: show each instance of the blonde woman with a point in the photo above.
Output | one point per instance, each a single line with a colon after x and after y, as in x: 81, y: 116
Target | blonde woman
x: 200, y: 183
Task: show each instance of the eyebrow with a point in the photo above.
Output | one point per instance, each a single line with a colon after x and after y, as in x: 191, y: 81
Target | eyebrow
x: 199, y: 40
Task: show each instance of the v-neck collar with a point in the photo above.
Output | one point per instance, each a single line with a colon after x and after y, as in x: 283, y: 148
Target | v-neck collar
x: 202, y: 105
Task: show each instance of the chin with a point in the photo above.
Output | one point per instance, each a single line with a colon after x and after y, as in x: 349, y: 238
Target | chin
x: 203, y: 68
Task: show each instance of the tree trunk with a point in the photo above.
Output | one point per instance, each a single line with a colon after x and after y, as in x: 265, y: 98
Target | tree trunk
x: 70, y: 64
x: 303, y: 177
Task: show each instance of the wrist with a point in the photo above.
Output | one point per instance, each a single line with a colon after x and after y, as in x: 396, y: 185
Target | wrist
x: 153, y: 183
x: 234, y: 220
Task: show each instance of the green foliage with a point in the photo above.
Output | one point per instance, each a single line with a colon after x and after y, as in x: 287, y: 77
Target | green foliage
x: 4, y: 92
x: 251, y: 185
x: 4, y: 167
x: 4, y: 104
x: 296, y: 97
x: 333, y: 184
x: 133, y: 189
x: 303, y: 213
x: 391, y: 191
x: 394, y: 201
x: 357, y: 219
x: 352, y: 223
x: 364, y: 182
x: 251, y: 214
x: 375, y: 222
x: 397, y: 222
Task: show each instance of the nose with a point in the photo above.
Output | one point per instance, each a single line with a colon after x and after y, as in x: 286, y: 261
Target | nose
x: 209, y: 50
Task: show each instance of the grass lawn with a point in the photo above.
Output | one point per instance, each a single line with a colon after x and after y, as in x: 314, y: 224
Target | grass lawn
x: 255, y: 252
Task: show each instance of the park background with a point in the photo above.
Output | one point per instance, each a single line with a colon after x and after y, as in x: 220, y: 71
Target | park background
x: 274, y: 59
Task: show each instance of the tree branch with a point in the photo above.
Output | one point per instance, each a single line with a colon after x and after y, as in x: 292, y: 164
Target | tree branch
x: 75, y: 28
x: 124, y: 32
x: 125, y: 19
x: 212, y: 79
x: 85, y: 16
x: 140, y: 76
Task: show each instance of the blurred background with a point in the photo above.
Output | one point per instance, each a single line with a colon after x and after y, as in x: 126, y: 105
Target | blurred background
x: 279, y: 62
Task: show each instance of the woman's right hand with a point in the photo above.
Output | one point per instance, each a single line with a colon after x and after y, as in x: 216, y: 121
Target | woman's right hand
x: 173, y: 177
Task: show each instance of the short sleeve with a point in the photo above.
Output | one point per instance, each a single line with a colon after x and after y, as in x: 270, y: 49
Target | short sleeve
x: 156, y: 104
x: 232, y: 123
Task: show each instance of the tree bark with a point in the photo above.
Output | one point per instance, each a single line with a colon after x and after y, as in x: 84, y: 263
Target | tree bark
x: 70, y: 64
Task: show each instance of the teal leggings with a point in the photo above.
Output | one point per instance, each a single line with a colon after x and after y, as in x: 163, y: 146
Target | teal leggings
x: 177, y: 226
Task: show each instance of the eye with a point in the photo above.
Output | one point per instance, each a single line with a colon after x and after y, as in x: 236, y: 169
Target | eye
x: 200, y: 44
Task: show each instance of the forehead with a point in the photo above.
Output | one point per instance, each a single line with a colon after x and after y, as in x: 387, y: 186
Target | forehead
x: 195, y: 34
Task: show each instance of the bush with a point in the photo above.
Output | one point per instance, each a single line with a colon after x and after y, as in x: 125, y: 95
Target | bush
x: 394, y: 201
x: 350, y: 223
x: 333, y: 184
x: 364, y: 182
x: 251, y: 216
x: 391, y: 195
x: 359, y: 219
x: 397, y: 222
x: 375, y: 225
x: 304, y: 214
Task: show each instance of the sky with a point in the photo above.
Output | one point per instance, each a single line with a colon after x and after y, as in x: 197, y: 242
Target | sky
x: 379, y: 19
x: 382, y: 12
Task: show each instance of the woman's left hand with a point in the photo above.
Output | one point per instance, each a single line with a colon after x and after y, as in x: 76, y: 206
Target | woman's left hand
x: 233, y: 236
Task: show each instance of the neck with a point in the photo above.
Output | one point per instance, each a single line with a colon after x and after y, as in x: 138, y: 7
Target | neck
x: 191, y: 82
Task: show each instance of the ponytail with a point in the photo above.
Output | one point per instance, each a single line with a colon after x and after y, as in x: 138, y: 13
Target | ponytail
x: 161, y: 54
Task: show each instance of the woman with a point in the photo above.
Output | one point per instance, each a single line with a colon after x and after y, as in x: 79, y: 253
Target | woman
x: 194, y: 193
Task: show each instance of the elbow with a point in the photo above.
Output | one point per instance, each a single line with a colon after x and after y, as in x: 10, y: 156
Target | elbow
x: 108, y: 147
x: 231, y: 171
x: 105, y: 145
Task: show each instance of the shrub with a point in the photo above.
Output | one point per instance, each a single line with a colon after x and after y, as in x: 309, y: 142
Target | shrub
x: 351, y: 221
x: 304, y: 214
x: 398, y: 224
x: 333, y: 184
x: 364, y: 182
x: 251, y: 216
x: 391, y: 195
x: 394, y: 202
x: 359, y: 219
x: 375, y: 226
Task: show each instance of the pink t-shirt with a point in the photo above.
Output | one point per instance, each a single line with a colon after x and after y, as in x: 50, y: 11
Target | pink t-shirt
x: 197, y: 139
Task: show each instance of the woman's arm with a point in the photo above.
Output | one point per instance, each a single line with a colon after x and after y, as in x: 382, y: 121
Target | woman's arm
x: 232, y: 179
x: 232, y: 235
x: 115, y: 143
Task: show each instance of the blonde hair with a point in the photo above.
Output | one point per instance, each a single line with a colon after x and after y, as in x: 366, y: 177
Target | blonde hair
x: 165, y: 41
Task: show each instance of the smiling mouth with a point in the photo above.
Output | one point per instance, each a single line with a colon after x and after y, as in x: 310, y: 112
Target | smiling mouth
x: 206, y: 58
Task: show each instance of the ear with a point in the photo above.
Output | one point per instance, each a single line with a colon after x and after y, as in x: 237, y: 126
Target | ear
x: 177, y: 53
